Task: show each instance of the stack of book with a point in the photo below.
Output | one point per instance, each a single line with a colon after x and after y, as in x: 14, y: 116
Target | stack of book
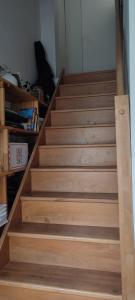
x: 14, y: 119
x: 3, y: 214
x: 32, y: 116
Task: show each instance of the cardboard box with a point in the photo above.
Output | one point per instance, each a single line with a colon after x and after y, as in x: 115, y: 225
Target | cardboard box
x: 18, y: 155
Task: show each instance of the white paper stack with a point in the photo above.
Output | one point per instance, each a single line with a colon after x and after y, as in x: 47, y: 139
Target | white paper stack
x: 3, y: 214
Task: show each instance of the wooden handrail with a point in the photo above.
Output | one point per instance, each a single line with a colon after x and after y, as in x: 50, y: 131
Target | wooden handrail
x: 119, y: 50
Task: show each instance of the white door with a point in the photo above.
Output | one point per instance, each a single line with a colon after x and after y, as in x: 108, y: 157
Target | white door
x: 90, y: 35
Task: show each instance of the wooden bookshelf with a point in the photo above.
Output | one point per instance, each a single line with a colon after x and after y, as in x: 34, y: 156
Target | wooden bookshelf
x: 18, y: 99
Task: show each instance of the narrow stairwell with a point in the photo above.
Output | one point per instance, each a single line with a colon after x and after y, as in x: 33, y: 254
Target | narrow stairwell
x: 66, y: 244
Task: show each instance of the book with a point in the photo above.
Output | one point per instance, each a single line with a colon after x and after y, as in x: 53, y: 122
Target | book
x: 27, y: 113
x: 3, y: 214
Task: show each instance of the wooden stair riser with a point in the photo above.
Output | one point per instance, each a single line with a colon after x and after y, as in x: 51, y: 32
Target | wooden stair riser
x: 74, y: 181
x: 102, y: 256
x: 83, y: 117
x: 80, y: 135
x: 70, y: 213
x: 89, y: 77
x: 87, y: 89
x: 23, y: 292
x: 77, y: 156
x: 84, y: 102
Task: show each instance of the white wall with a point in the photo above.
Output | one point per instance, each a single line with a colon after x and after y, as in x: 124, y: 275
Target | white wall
x: 47, y: 24
x: 22, y: 22
x: 52, y: 22
x: 19, y: 28
x: 60, y: 38
x: 74, y: 41
x: 126, y: 40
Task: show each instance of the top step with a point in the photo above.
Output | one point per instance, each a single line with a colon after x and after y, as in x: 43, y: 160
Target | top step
x: 87, y: 88
x: 90, y: 77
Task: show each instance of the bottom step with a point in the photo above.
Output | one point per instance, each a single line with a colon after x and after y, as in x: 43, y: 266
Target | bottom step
x: 21, y: 281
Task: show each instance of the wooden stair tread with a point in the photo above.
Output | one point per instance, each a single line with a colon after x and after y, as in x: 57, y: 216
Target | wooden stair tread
x: 82, y: 110
x: 80, y: 197
x: 60, y: 231
x: 81, y: 126
x: 66, y: 280
x: 76, y: 146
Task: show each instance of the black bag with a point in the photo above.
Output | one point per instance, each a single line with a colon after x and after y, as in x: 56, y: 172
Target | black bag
x: 45, y: 73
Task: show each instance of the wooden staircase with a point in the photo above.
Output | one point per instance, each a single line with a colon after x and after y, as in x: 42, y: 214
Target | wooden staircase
x: 70, y: 230
x: 63, y: 236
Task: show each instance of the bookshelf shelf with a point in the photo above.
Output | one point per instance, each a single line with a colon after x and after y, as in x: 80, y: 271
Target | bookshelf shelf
x: 15, y: 94
x: 18, y: 130
x: 18, y: 170
x: 6, y: 173
x: 12, y: 172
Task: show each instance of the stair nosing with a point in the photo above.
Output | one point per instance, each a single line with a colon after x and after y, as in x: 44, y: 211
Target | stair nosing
x: 78, y: 146
x: 68, y: 199
x: 65, y: 238
x: 85, y: 95
x: 83, y: 110
x: 74, y: 169
x: 87, y: 83
x: 43, y: 199
x: 105, y: 296
x: 81, y: 126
